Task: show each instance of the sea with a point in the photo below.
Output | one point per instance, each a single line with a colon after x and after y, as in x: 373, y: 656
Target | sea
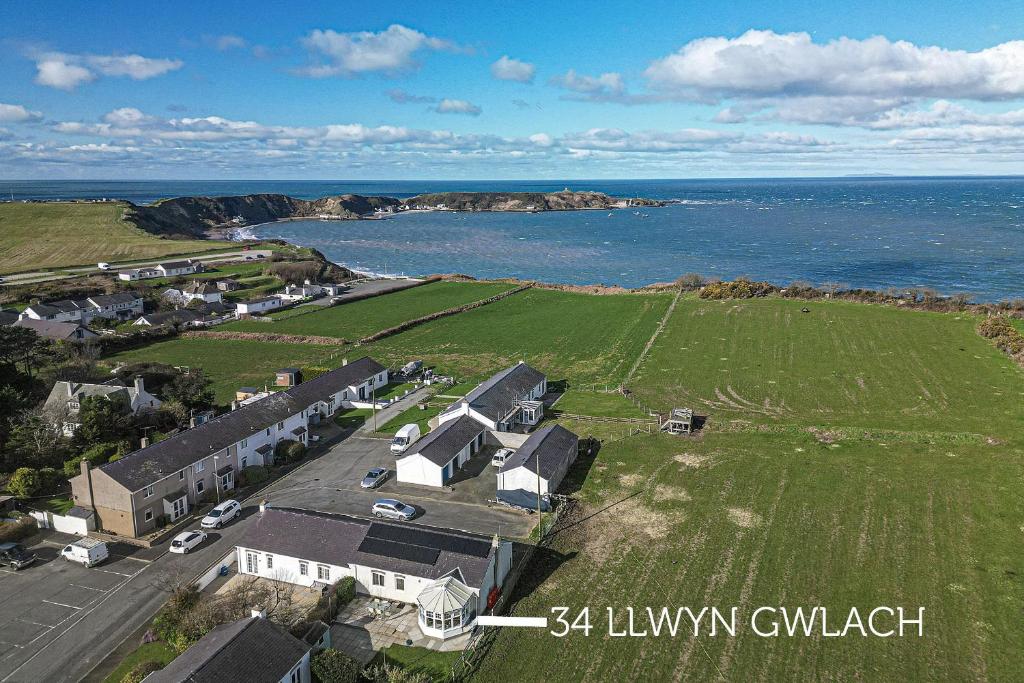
x: 950, y: 234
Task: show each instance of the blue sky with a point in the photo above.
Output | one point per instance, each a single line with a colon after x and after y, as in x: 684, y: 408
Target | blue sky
x: 397, y: 90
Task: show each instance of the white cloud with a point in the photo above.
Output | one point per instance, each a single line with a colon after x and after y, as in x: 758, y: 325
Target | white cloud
x: 67, y: 71
x: 449, y: 106
x: 769, y: 64
x: 347, y: 54
x: 16, y: 113
x: 401, y: 97
x: 227, y: 42
x: 541, y: 139
x: 508, y: 69
x: 607, y: 86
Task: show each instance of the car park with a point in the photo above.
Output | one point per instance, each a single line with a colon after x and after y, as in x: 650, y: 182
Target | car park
x: 393, y: 509
x: 374, y: 478
x: 87, y: 552
x: 15, y: 556
x: 187, y: 540
x: 222, y: 514
x: 500, y: 456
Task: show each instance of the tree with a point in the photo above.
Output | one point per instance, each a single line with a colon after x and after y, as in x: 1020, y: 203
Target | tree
x: 37, y: 438
x: 25, y: 482
x: 22, y: 345
x: 191, y: 389
x: 334, y: 666
x: 103, y: 419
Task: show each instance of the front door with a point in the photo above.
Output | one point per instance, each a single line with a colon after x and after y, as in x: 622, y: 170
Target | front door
x: 178, y: 508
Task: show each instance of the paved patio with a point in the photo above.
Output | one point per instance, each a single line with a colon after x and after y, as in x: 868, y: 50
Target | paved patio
x: 361, y: 634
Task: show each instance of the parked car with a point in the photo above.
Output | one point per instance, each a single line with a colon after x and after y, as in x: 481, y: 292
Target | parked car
x: 15, y: 555
x: 249, y: 257
x: 87, y: 552
x: 374, y: 478
x: 187, y: 540
x: 103, y: 266
x: 393, y: 509
x: 404, y: 438
x: 499, y: 458
x: 221, y: 515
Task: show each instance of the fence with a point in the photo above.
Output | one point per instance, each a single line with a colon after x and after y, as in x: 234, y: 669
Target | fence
x: 65, y: 524
x: 602, y: 418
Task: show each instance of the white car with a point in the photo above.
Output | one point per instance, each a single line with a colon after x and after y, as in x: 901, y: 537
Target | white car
x: 103, y: 266
x: 499, y: 458
x: 187, y: 540
x: 222, y: 514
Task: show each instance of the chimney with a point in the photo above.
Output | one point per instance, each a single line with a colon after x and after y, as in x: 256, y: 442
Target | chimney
x: 264, y: 505
x: 87, y: 474
x: 344, y: 362
x: 140, y: 386
x: 259, y: 613
x: 143, y: 442
x: 71, y: 390
x: 234, y: 405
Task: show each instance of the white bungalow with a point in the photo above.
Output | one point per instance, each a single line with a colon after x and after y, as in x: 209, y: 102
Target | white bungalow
x: 257, y: 306
x: 451, y: 576
x: 539, y: 465
x: 432, y: 460
x: 509, y: 398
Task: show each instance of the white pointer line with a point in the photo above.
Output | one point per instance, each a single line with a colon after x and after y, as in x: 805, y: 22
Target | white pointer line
x: 529, y: 622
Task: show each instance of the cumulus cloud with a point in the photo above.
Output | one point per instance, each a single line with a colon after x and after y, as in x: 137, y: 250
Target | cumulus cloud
x: 67, y: 71
x: 227, y: 42
x: 16, y: 113
x: 769, y: 64
x: 450, y: 106
x: 607, y: 86
x: 508, y: 69
x: 347, y: 54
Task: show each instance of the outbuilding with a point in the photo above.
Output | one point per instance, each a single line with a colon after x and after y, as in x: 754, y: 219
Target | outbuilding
x: 540, y: 464
x: 432, y: 460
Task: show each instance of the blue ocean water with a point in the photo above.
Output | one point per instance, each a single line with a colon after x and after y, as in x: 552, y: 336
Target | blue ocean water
x: 949, y: 234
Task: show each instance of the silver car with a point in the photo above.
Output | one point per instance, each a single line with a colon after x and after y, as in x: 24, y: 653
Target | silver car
x: 374, y: 478
x: 393, y: 509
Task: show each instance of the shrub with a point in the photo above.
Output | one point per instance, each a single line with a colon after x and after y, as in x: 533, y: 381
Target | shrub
x: 313, y: 371
x: 140, y: 671
x: 254, y: 474
x: 334, y: 666
x: 345, y: 590
x: 97, y: 454
x: 386, y: 673
x: 289, y: 451
x: 741, y: 288
x: 50, y: 479
x: 11, y: 532
x: 25, y: 482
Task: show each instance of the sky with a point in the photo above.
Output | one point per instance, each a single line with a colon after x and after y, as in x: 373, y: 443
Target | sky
x: 517, y: 90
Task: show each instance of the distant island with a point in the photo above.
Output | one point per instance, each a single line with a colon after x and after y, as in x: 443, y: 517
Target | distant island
x: 216, y: 217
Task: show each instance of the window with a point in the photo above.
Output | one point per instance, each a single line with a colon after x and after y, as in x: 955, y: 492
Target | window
x: 181, y: 475
x: 270, y: 561
x: 200, y: 466
x: 245, y: 442
x: 200, y: 486
x: 296, y: 676
x: 268, y: 431
x: 399, y: 582
x: 245, y: 459
x: 378, y: 578
x: 304, y: 568
x: 280, y: 425
x: 149, y: 515
x: 323, y: 573
x: 251, y: 563
x: 148, y: 491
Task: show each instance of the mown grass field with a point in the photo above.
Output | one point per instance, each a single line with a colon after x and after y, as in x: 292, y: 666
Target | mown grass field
x: 359, y: 319
x: 841, y: 364
x: 602, y: 404
x: 55, y: 235
x: 578, y: 336
x: 761, y: 519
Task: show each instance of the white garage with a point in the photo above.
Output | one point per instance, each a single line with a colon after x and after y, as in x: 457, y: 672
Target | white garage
x: 432, y: 460
x: 539, y: 464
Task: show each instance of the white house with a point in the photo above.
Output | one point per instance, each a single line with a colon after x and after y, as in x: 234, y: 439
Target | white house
x: 432, y: 460
x: 66, y: 397
x: 250, y: 649
x: 539, y: 464
x: 112, y: 306
x: 257, y: 306
x: 120, y: 305
x: 194, y: 291
x: 175, y: 268
x: 64, y: 311
x: 451, y: 576
x: 509, y: 398
x: 133, y: 274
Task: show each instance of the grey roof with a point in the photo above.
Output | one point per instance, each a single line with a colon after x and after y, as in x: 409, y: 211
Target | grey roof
x: 444, y: 443
x: 260, y: 300
x: 63, y: 391
x: 342, y: 540
x: 197, y: 287
x: 553, y: 446
x: 180, y: 316
x: 52, y: 329
x: 147, y: 465
x: 170, y: 265
x: 250, y: 649
x: 8, y: 316
x: 79, y: 512
x: 115, y: 298
x: 496, y: 397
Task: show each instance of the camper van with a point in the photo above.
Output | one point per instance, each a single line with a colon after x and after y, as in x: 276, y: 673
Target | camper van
x: 86, y: 551
x: 404, y: 438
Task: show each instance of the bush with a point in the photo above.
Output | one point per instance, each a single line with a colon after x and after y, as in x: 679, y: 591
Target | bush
x: 289, y: 451
x: 11, y: 532
x: 741, y: 288
x: 345, y: 590
x: 333, y: 666
x: 254, y: 474
x: 25, y: 483
x: 386, y: 673
x: 140, y: 671
x: 50, y: 479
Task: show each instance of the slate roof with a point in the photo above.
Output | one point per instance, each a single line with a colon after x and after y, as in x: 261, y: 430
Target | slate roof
x: 197, y: 287
x: 251, y: 302
x: 59, y: 394
x: 147, y: 465
x: 250, y: 649
x: 496, y: 397
x: 8, y: 316
x: 51, y: 329
x: 180, y: 316
x: 103, y: 300
x: 171, y: 265
x: 442, y: 444
x: 553, y: 446
x: 337, y: 540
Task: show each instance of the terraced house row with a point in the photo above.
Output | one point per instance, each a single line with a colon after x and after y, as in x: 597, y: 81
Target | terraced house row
x: 163, y: 481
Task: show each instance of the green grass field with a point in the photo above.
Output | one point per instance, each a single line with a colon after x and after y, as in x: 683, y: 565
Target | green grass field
x: 577, y: 336
x: 600, y: 404
x: 55, y: 235
x: 361, y: 318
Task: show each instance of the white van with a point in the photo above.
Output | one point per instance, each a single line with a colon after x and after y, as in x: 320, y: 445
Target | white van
x: 404, y: 438
x: 87, y: 552
x: 103, y: 266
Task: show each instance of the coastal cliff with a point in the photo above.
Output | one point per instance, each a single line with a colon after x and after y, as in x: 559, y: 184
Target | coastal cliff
x: 200, y: 217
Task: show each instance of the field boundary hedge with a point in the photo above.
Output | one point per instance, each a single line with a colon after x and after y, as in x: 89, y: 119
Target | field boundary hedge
x: 267, y: 337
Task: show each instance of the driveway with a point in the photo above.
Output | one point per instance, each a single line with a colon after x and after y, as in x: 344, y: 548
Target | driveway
x: 331, y: 484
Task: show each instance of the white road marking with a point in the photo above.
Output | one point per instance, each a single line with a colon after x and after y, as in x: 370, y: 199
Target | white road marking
x: 61, y: 604
x: 110, y: 571
x: 35, y: 623
x: 89, y: 588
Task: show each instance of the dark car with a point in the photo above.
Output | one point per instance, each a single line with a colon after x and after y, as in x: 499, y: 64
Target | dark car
x: 16, y: 556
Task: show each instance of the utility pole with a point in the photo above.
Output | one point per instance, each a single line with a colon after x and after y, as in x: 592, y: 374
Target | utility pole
x: 373, y: 402
x: 540, y: 513
x: 216, y: 478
